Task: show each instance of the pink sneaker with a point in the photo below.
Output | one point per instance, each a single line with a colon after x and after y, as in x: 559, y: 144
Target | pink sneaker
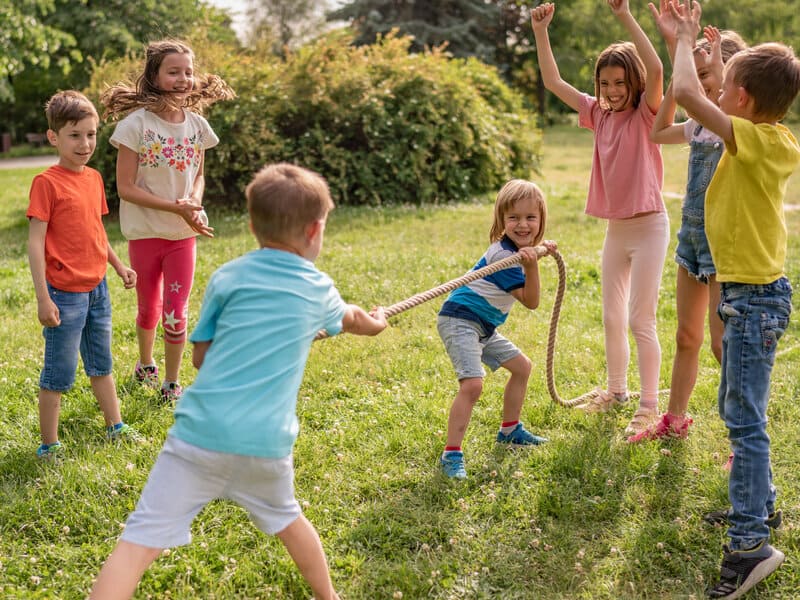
x: 729, y: 464
x: 668, y: 426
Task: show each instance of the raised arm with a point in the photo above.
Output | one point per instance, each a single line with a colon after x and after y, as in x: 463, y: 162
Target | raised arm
x: 654, y: 80
x: 541, y: 16
x: 665, y: 131
x: 686, y: 85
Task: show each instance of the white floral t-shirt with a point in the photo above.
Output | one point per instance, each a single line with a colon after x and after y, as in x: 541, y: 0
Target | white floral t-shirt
x: 170, y: 155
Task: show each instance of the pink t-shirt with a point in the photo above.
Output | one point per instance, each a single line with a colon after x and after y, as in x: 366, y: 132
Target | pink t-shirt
x: 627, y: 169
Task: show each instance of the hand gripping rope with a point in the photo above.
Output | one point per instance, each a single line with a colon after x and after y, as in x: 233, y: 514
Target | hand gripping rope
x: 510, y: 261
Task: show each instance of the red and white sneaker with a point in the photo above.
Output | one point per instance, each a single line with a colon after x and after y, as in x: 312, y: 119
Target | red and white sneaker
x: 668, y: 426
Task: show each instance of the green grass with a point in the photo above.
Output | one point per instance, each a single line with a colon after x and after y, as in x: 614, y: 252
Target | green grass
x: 586, y: 516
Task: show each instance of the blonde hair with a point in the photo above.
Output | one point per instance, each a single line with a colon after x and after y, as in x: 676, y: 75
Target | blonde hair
x: 770, y: 74
x: 66, y: 107
x: 125, y: 97
x: 508, y: 196
x: 625, y: 55
x: 730, y: 43
x: 282, y: 199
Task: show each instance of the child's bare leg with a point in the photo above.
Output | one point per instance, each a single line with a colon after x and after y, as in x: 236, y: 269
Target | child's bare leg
x: 692, y: 299
x: 122, y: 571
x: 516, y: 387
x: 146, y: 339
x: 173, y: 355
x: 49, y: 409
x: 469, y: 390
x: 303, y: 544
x: 106, y: 393
x: 715, y: 325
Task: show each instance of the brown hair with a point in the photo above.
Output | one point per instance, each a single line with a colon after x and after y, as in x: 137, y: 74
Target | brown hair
x: 770, y: 74
x: 66, y: 107
x: 511, y: 193
x: 730, y: 43
x: 125, y: 97
x: 283, y: 198
x: 625, y: 55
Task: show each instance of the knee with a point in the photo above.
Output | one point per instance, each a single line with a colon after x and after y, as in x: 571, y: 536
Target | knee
x: 470, y: 389
x: 523, y: 367
x: 643, y: 327
x: 687, y: 339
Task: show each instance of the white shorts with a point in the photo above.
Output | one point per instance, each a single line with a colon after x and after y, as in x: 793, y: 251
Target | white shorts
x: 185, y: 478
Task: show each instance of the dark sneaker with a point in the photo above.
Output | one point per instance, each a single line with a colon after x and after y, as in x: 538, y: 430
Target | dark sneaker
x: 520, y: 436
x: 452, y: 465
x: 743, y: 569
x: 171, y: 393
x: 721, y: 517
x: 147, y: 375
x: 50, y: 452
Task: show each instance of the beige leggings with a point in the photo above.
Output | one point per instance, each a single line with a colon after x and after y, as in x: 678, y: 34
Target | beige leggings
x: 633, y: 260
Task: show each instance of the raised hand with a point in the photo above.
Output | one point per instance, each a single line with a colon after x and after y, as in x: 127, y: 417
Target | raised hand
x: 542, y: 15
x: 688, y: 21
x: 619, y: 7
x: 666, y: 23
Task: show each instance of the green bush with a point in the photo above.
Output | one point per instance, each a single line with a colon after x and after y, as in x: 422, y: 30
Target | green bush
x: 382, y: 125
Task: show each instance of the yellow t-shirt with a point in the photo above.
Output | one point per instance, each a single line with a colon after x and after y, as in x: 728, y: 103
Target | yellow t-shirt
x: 745, y: 224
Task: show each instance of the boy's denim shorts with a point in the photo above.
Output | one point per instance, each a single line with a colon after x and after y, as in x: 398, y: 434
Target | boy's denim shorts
x: 693, y: 252
x: 468, y: 346
x: 185, y: 478
x: 85, y: 329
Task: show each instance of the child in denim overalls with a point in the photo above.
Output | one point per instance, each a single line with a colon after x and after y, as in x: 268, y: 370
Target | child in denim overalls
x: 697, y: 287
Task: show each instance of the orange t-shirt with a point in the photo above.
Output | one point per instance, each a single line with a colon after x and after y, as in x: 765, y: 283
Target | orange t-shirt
x: 75, y: 246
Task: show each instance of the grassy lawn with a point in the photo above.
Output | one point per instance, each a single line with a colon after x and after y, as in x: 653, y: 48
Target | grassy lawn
x: 586, y: 516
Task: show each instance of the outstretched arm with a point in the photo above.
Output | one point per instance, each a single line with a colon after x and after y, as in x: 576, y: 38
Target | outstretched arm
x: 360, y: 322
x: 686, y: 85
x: 654, y: 81
x: 541, y: 16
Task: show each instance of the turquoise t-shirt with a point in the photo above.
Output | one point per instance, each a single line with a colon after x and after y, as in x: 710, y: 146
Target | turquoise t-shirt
x: 261, y: 313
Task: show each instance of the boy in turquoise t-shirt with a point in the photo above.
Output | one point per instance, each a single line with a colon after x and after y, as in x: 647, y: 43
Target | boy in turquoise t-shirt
x: 235, y: 426
x: 746, y: 232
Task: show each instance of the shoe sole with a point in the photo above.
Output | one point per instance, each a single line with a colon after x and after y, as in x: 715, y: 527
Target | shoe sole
x: 759, y: 573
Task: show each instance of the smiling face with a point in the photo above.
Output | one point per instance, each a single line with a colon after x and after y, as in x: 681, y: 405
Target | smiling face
x: 176, y: 74
x: 708, y: 78
x: 614, y: 89
x: 75, y: 143
x: 522, y: 222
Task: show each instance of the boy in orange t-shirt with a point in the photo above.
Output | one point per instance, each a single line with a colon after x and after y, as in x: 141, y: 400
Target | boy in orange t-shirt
x: 68, y: 251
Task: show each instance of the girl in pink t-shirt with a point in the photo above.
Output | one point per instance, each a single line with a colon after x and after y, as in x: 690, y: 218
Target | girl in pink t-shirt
x: 162, y: 141
x: 625, y: 189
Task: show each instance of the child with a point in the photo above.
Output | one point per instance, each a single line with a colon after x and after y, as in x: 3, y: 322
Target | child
x: 468, y: 320
x: 236, y: 424
x: 697, y: 290
x: 68, y: 250
x: 162, y: 143
x: 746, y: 231
x: 625, y: 188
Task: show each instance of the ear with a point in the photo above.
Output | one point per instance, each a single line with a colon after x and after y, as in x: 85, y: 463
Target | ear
x: 313, y: 229
x: 743, y: 98
x: 52, y: 137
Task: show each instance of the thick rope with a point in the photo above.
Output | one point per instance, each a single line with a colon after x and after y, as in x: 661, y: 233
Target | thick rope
x: 510, y: 261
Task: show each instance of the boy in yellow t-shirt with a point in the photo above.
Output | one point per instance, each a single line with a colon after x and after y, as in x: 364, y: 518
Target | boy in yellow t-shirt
x: 747, y: 234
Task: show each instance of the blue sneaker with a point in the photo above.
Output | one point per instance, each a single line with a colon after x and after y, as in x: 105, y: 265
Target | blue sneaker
x: 452, y: 465
x: 50, y: 452
x: 520, y: 436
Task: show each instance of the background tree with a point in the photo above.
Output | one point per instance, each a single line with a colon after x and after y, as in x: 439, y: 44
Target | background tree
x: 280, y: 25
x: 79, y: 34
x: 26, y: 40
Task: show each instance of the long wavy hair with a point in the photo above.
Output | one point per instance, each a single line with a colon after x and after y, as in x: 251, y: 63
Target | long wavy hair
x: 625, y: 55
x: 124, y: 97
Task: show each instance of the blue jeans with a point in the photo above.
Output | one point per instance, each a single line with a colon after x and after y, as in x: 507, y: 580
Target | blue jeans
x: 693, y: 252
x: 86, y: 329
x: 755, y: 317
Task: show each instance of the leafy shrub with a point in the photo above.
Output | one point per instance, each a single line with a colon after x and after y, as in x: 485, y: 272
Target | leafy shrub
x: 382, y: 125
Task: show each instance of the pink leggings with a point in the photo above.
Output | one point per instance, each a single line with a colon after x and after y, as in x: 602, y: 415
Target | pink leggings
x: 165, y: 271
x: 633, y: 260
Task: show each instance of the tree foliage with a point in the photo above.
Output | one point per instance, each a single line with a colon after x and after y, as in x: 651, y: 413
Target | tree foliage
x: 283, y: 25
x: 76, y: 35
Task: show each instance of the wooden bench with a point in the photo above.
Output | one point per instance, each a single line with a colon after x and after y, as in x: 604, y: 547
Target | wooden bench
x: 36, y: 139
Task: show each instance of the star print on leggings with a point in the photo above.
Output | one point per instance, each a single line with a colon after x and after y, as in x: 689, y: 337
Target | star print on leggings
x: 175, y: 287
